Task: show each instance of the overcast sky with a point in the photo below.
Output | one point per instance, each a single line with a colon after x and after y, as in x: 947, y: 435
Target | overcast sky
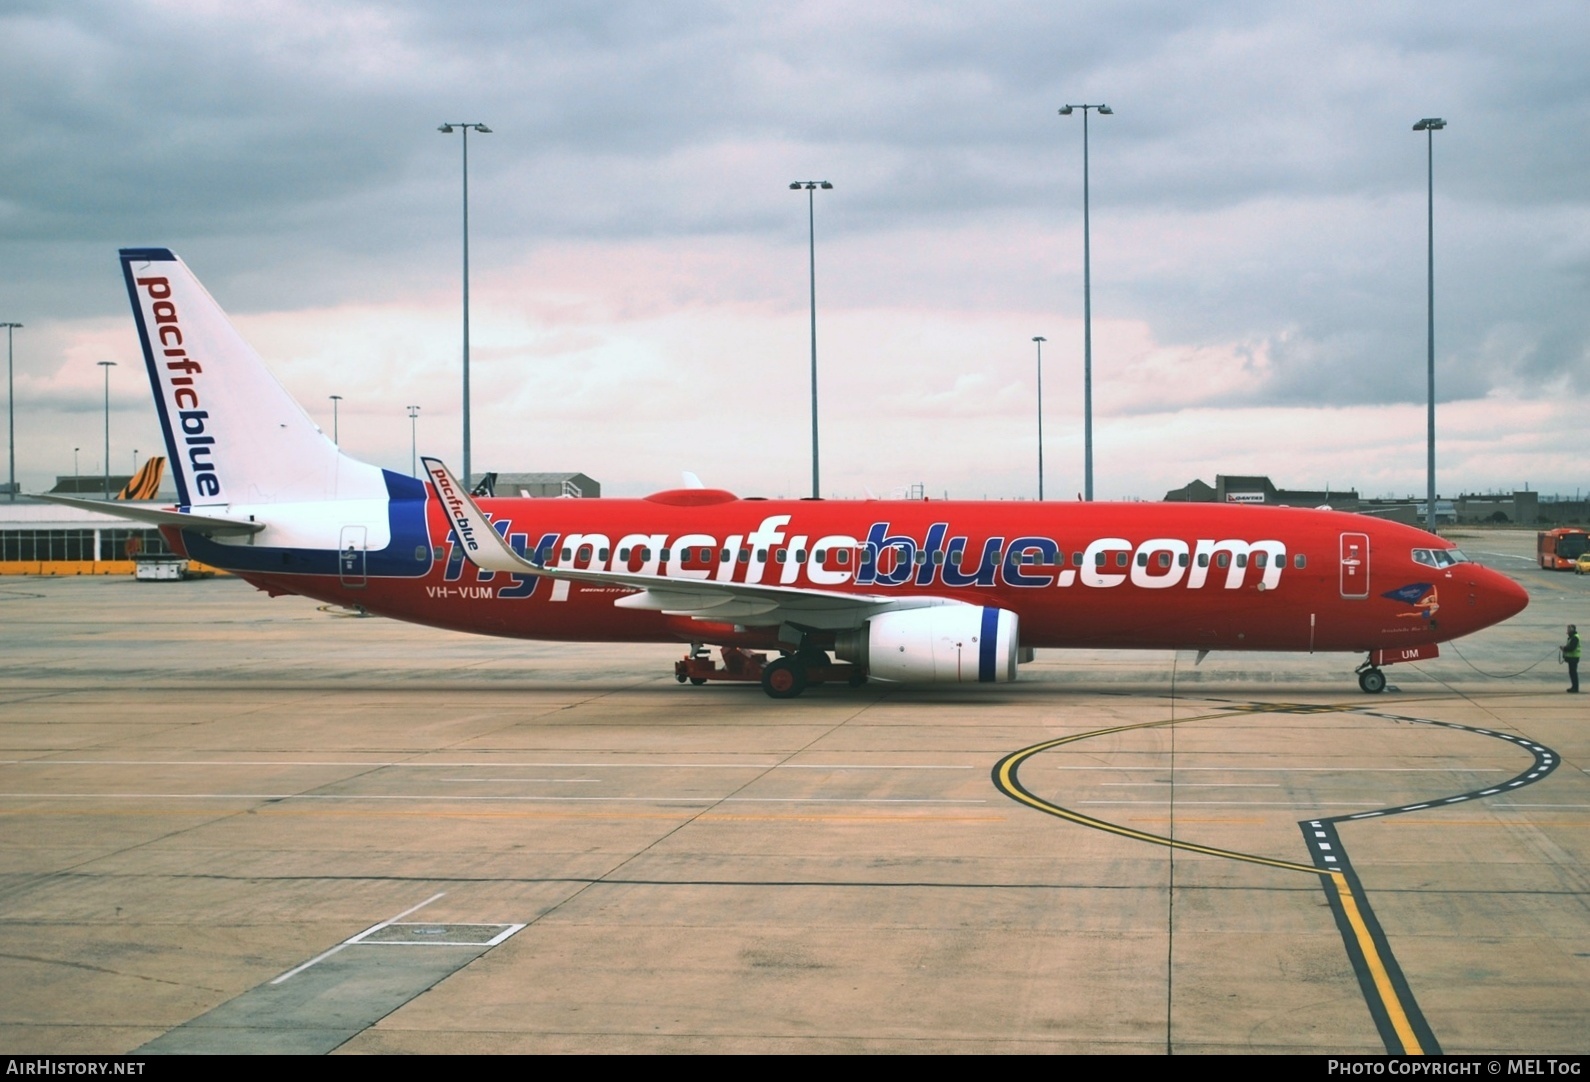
x: 639, y: 274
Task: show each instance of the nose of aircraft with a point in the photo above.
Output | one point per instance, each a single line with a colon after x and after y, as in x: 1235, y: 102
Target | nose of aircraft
x: 1497, y: 597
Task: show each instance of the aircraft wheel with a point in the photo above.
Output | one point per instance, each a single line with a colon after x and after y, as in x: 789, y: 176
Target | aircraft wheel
x: 1372, y: 681
x: 784, y: 679
x: 698, y: 680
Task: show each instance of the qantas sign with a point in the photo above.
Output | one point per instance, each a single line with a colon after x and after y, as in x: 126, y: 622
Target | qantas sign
x: 923, y: 591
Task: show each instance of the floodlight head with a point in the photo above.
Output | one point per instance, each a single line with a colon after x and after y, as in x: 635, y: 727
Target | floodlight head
x: 1039, y: 338
x: 482, y: 129
x: 1105, y: 110
x: 446, y: 129
x: 825, y: 185
x: 1430, y: 123
x: 1065, y: 110
x: 795, y: 186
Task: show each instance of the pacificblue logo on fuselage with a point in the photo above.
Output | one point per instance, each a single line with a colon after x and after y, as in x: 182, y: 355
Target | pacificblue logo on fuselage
x: 775, y: 553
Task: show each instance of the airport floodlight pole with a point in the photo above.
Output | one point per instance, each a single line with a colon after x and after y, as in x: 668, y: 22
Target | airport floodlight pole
x: 1040, y: 340
x: 107, y: 366
x: 811, y: 187
x: 414, y: 441
x: 1430, y: 125
x: 75, y: 471
x: 448, y: 129
x: 11, y: 412
x: 1087, y: 306
x: 336, y: 427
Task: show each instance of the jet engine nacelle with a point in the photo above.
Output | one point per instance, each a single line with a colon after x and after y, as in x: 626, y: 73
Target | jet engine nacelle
x: 943, y: 644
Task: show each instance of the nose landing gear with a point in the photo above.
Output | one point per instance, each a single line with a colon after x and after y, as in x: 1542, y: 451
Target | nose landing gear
x: 1373, y: 681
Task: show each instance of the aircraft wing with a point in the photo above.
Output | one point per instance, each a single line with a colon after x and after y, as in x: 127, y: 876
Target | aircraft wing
x: 727, y: 602
x: 160, y: 516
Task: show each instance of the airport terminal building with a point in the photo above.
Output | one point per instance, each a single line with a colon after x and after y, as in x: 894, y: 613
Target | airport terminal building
x: 1519, y: 508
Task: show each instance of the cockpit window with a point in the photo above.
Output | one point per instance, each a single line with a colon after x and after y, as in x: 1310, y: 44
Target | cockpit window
x: 1439, y: 557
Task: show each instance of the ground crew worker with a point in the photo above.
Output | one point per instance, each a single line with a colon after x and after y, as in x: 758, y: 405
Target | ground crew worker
x: 1570, y: 654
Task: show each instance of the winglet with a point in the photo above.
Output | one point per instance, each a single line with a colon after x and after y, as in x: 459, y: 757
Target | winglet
x: 483, y: 545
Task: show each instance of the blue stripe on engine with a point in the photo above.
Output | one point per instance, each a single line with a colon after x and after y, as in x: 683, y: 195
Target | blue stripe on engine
x: 987, y: 641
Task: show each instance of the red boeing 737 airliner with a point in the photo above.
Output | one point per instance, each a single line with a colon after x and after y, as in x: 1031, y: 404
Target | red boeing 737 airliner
x: 910, y: 591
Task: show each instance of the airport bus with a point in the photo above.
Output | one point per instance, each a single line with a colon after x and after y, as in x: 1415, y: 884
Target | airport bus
x: 1559, y: 548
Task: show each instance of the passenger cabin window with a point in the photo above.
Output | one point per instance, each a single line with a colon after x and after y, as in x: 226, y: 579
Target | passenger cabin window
x: 1164, y: 559
x: 1222, y: 559
x: 842, y: 557
x: 1300, y: 561
x: 1121, y: 559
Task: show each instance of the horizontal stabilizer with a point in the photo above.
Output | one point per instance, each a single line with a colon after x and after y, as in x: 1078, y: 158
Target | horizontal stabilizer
x: 161, y: 516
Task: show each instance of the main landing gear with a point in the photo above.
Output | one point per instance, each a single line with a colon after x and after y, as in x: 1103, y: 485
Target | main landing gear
x: 782, y: 678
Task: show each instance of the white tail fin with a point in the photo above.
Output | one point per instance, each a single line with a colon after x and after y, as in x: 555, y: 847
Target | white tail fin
x: 234, y: 435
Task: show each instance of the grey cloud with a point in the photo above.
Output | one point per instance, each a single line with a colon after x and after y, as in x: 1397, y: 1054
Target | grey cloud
x: 293, y: 159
